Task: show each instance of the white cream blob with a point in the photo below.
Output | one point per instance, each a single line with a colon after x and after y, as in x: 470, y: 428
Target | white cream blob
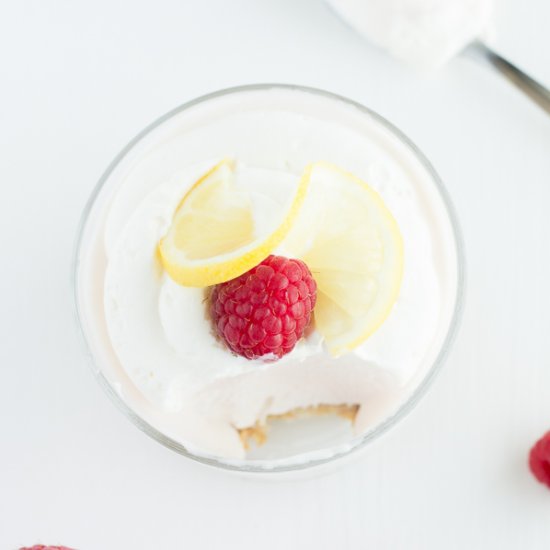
x: 154, y: 341
x: 422, y: 33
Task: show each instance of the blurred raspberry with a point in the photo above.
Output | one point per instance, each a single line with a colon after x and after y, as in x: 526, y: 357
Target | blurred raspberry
x: 266, y: 310
x: 539, y: 459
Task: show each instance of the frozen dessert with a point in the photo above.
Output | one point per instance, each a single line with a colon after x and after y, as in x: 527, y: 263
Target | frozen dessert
x: 264, y: 262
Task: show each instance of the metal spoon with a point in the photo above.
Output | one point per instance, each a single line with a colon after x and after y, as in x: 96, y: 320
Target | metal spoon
x: 529, y: 86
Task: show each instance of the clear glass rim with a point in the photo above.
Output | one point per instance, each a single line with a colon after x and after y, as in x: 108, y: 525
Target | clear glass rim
x: 362, y: 441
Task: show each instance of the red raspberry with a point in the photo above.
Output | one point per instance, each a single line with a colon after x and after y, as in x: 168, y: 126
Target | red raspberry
x: 539, y: 459
x: 42, y: 547
x: 267, y: 309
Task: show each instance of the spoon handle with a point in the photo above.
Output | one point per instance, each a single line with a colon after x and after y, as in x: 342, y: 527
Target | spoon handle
x: 529, y: 86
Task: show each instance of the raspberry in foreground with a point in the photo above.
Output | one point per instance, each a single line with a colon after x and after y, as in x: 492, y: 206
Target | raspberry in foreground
x: 42, y: 547
x: 265, y: 311
x: 539, y: 459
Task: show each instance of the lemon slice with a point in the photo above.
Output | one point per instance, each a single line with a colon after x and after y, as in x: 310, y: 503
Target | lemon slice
x: 353, y: 247
x: 213, y: 236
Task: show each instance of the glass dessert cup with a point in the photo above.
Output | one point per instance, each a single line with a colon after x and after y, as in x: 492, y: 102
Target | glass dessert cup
x: 90, y: 265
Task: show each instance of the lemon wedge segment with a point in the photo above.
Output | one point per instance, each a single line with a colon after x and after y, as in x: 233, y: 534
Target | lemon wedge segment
x: 213, y: 236
x: 354, y: 249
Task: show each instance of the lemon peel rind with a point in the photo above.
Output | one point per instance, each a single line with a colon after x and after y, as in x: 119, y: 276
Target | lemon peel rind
x: 226, y: 161
x: 218, y: 272
x: 336, y: 349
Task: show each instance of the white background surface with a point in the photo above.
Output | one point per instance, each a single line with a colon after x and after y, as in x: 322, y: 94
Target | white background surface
x: 77, y: 81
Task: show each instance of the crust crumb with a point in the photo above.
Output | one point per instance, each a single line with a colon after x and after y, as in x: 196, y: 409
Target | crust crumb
x: 258, y: 432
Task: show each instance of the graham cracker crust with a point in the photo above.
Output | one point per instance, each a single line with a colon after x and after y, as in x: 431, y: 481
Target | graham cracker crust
x: 258, y: 432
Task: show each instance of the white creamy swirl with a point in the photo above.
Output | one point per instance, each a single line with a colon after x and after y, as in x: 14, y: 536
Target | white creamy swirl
x: 193, y: 389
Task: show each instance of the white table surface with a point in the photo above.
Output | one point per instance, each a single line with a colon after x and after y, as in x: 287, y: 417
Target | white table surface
x: 77, y: 81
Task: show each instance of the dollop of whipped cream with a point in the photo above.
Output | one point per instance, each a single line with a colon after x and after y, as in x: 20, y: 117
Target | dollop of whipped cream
x: 165, y: 342
x: 422, y: 33
x: 161, y: 355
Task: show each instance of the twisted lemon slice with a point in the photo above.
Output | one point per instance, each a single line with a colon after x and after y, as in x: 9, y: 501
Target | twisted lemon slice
x: 353, y: 247
x: 213, y: 237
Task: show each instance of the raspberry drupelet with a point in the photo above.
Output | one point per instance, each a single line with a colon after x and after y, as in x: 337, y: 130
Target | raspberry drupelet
x: 539, y: 459
x: 265, y: 311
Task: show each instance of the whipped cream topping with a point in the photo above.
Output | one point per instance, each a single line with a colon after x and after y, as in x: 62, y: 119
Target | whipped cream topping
x: 422, y: 33
x: 155, y: 345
